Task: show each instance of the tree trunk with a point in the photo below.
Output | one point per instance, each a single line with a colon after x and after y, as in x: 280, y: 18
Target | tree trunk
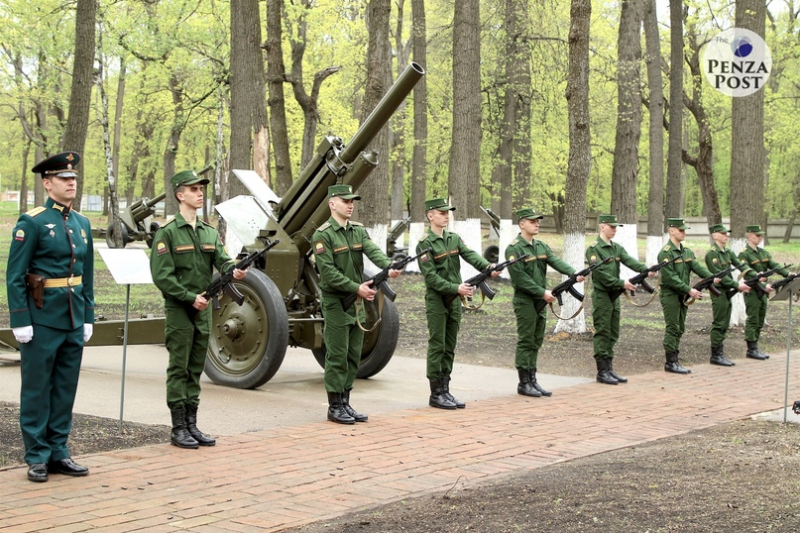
x: 118, y: 123
x: 465, y: 150
x: 374, y: 205
x: 175, y: 132
x: 747, y: 137
x: 580, y: 155
x: 23, y: 186
x: 629, y: 114
x: 276, y: 76
x: 655, y: 197
x: 248, y: 111
x: 508, y: 125
x: 419, y: 165
x: 703, y: 163
x: 675, y: 148
x: 80, y: 97
x: 397, y: 133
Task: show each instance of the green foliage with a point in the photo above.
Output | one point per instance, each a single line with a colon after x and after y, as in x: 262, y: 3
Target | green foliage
x: 188, y: 42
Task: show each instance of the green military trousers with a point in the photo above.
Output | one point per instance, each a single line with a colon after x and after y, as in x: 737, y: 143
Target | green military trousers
x: 674, y: 320
x: 343, y: 343
x: 50, y: 366
x: 606, y: 316
x: 721, y: 308
x: 530, y: 332
x: 756, y: 308
x: 187, y: 344
x: 443, y: 325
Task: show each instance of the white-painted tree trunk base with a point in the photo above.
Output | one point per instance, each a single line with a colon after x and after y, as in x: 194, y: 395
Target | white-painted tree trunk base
x: 508, y: 231
x: 574, y: 254
x: 470, y: 232
x: 654, y: 246
x: 738, y: 311
x: 416, y: 232
x: 626, y: 237
x: 378, y: 235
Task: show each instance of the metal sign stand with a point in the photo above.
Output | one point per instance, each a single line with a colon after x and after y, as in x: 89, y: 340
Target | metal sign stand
x: 787, y: 292
x: 128, y: 267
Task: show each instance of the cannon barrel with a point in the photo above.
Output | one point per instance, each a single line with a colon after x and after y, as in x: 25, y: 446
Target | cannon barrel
x: 303, y: 208
x: 144, y: 208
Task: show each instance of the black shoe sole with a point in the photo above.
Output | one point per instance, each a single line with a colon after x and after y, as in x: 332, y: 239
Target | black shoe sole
x: 440, y: 406
x: 345, y: 422
x: 185, y: 446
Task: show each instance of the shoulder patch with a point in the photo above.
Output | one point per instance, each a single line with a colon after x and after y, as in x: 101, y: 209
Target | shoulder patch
x: 593, y: 259
x: 666, y: 248
x: 319, y: 247
x: 161, y: 248
x: 36, y: 211
x: 324, y: 226
x: 715, y: 260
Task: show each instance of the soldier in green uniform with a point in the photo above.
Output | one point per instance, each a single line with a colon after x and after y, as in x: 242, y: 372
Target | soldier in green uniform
x: 529, y: 279
x: 605, y: 310
x: 339, y: 248
x: 757, y: 260
x: 50, y: 286
x: 441, y: 269
x: 185, y: 252
x: 720, y: 258
x: 674, y: 286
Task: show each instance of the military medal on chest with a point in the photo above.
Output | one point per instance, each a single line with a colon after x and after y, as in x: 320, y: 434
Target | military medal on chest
x: 50, y: 227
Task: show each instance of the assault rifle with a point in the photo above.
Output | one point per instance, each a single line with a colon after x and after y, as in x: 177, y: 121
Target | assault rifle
x: 641, y: 279
x: 785, y: 281
x: 708, y: 283
x: 479, y: 280
x: 379, y: 279
x: 755, y: 282
x: 568, y: 285
x: 224, y: 283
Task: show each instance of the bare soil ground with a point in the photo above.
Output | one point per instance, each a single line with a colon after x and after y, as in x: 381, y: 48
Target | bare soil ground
x: 741, y: 476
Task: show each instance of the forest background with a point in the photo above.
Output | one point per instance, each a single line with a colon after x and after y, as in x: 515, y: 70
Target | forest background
x: 177, y: 84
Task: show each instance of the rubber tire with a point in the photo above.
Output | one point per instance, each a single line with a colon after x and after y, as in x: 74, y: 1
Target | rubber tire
x: 379, y: 346
x: 110, y: 236
x: 242, y: 363
x: 154, y: 227
x: 492, y: 253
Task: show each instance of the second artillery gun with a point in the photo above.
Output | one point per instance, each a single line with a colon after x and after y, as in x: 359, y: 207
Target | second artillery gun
x: 282, y: 300
x: 136, y: 222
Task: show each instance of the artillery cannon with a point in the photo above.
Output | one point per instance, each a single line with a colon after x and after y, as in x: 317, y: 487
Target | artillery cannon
x: 136, y: 223
x: 392, y: 250
x: 282, y: 300
x: 492, y: 252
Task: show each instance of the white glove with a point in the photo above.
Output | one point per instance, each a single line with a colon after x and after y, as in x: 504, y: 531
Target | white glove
x: 87, y: 332
x: 23, y: 334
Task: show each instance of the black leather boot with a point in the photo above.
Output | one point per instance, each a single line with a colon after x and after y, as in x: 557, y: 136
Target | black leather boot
x: 612, y: 373
x: 525, y: 388
x: 718, y: 358
x: 535, y: 384
x: 438, y: 399
x: 336, y: 410
x: 358, y: 417
x: 753, y: 352
x: 765, y: 354
x: 191, y: 427
x: 602, y: 373
x: 673, y: 365
x: 446, y: 390
x: 180, y: 435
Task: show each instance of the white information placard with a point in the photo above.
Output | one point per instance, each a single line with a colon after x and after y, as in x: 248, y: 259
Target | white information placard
x: 128, y: 267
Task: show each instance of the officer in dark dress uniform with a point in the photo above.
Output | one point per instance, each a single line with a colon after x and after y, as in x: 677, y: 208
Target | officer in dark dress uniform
x: 719, y: 258
x: 50, y: 283
x: 339, y: 248
x: 185, y: 252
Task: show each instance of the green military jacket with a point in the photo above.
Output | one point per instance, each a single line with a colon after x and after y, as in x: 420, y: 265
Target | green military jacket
x: 339, y: 255
x: 56, y: 242
x: 718, y: 259
x: 675, y: 276
x: 759, y: 260
x: 529, y: 276
x: 183, y: 258
x: 441, y: 268
x: 605, y: 278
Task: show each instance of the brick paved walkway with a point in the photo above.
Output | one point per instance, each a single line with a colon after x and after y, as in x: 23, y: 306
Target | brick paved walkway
x: 271, y: 480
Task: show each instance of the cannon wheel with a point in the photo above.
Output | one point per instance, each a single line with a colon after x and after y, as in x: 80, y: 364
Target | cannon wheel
x: 492, y: 253
x: 154, y: 227
x: 248, y: 342
x: 379, y: 345
x: 110, y: 236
